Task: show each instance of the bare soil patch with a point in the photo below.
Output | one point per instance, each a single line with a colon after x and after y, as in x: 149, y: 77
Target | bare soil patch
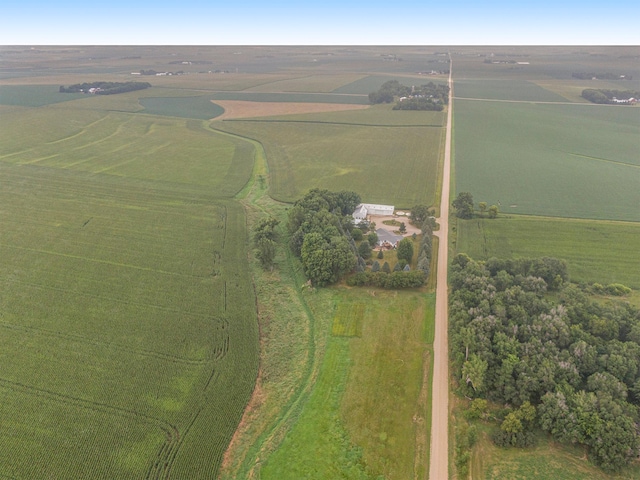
x: 247, y: 109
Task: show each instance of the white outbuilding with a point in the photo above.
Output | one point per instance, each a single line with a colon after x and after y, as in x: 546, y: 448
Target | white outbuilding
x: 364, y: 209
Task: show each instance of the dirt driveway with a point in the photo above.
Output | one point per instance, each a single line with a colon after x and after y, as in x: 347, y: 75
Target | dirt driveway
x: 379, y: 219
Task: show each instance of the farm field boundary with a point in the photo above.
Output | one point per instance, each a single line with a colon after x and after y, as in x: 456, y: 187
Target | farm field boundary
x: 549, y: 160
x: 587, y: 245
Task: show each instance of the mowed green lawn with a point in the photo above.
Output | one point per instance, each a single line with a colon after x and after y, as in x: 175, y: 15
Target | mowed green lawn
x: 596, y: 251
x: 129, y: 335
x: 558, y: 160
x: 397, y: 165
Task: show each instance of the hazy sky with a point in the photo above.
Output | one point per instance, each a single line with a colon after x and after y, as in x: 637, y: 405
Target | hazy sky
x: 330, y: 22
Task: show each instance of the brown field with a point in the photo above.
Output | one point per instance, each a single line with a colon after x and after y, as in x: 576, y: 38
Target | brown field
x: 246, y: 109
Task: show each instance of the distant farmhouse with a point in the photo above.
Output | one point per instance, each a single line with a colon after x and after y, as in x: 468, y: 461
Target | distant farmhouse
x: 365, y: 209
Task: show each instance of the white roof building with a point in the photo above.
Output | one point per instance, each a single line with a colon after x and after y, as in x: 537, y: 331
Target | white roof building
x: 364, y: 209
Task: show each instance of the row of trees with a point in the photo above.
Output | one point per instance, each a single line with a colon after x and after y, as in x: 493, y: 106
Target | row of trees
x: 105, y: 88
x: 564, y: 363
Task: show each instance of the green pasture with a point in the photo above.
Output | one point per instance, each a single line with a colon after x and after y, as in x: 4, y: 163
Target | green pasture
x: 596, y: 251
x: 558, y: 160
x: 383, y: 164
x: 360, y: 419
x: 188, y: 107
x: 127, y: 145
x: 375, y: 115
x: 34, y: 95
x: 130, y: 343
x: 348, y: 319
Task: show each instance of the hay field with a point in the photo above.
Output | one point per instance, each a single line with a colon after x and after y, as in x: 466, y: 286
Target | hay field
x: 397, y: 165
x: 596, y: 251
x: 366, y: 417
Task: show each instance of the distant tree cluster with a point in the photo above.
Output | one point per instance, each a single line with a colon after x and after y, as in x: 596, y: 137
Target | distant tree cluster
x: 600, y: 76
x: 564, y: 363
x: 319, y: 224
x: 431, y: 96
x: 604, y: 96
x: 465, y: 209
x: 105, y: 88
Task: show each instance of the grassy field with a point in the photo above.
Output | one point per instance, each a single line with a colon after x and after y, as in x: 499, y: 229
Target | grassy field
x: 366, y: 416
x: 559, y: 160
x: 602, y: 252
x: 548, y: 460
x: 383, y: 164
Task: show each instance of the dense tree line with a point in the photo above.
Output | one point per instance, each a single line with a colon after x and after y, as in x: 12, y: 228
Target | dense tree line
x: 606, y: 96
x: 431, y: 96
x: 562, y: 362
x: 105, y: 88
x: 319, y: 224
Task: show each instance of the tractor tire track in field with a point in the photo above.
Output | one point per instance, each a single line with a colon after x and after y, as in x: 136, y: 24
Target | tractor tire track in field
x: 170, y: 430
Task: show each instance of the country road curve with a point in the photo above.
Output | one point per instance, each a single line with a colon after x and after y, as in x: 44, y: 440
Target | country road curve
x: 439, y: 458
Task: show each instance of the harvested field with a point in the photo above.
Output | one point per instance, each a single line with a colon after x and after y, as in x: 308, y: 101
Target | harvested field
x: 246, y: 109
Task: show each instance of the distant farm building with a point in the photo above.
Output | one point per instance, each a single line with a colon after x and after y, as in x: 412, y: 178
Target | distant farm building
x: 626, y: 101
x: 364, y: 209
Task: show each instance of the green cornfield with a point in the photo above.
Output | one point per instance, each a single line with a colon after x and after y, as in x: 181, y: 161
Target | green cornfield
x: 128, y: 324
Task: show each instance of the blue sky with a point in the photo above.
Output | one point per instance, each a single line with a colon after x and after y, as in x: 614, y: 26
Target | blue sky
x: 294, y: 22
